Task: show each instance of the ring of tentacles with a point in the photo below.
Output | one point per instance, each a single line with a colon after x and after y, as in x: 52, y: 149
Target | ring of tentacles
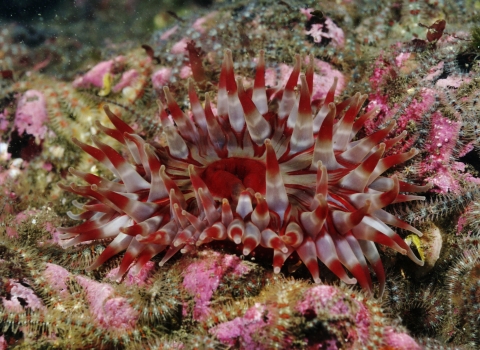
x: 293, y: 180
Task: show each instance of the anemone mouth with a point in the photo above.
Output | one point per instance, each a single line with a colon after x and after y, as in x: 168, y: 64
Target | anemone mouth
x: 227, y: 178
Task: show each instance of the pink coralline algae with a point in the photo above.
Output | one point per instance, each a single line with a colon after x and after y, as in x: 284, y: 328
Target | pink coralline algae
x: 31, y: 115
x: 323, y: 317
x: 19, y: 292
x: 109, y: 311
x: 318, y: 299
x: 400, y: 341
x: 128, y: 78
x: 441, y: 142
x: 355, y: 320
x: 200, y: 23
x: 202, y: 278
x: 161, y: 77
x: 57, y: 277
x: 334, y: 33
x: 3, y: 343
x: 3, y: 120
x: 94, y: 77
x: 246, y: 329
x: 324, y: 30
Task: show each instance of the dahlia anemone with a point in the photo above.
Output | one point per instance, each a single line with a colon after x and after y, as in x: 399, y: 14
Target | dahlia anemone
x: 293, y: 180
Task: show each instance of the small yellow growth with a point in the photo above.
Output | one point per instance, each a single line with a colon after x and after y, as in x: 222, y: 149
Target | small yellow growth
x: 416, y: 241
x: 107, y: 85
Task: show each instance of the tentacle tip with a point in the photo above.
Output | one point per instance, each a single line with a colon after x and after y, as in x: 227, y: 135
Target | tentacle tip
x: 237, y: 240
x: 276, y: 270
x: 246, y: 251
x: 317, y: 280
x: 284, y: 250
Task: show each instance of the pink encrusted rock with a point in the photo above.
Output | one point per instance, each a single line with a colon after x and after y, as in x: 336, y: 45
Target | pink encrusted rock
x: 130, y: 279
x: 435, y: 71
x: 110, y: 312
x: 234, y: 265
x: 161, y: 78
x: 401, y: 58
x: 11, y: 232
x: 168, y: 33
x: 18, y: 290
x: 333, y: 33
x: 452, y: 81
x: 20, y: 218
x: 243, y: 329
x: 202, y: 277
x: 180, y: 47
x: 127, y: 79
x: 94, y: 77
x: 399, y: 340
x: 462, y: 222
x: 56, y: 277
x: 31, y: 115
x: 3, y: 343
x: 199, y: 24
x: 326, y: 30
x: 319, y: 300
x: 414, y: 112
x: 440, y: 145
x: 185, y: 72
x: 3, y: 120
